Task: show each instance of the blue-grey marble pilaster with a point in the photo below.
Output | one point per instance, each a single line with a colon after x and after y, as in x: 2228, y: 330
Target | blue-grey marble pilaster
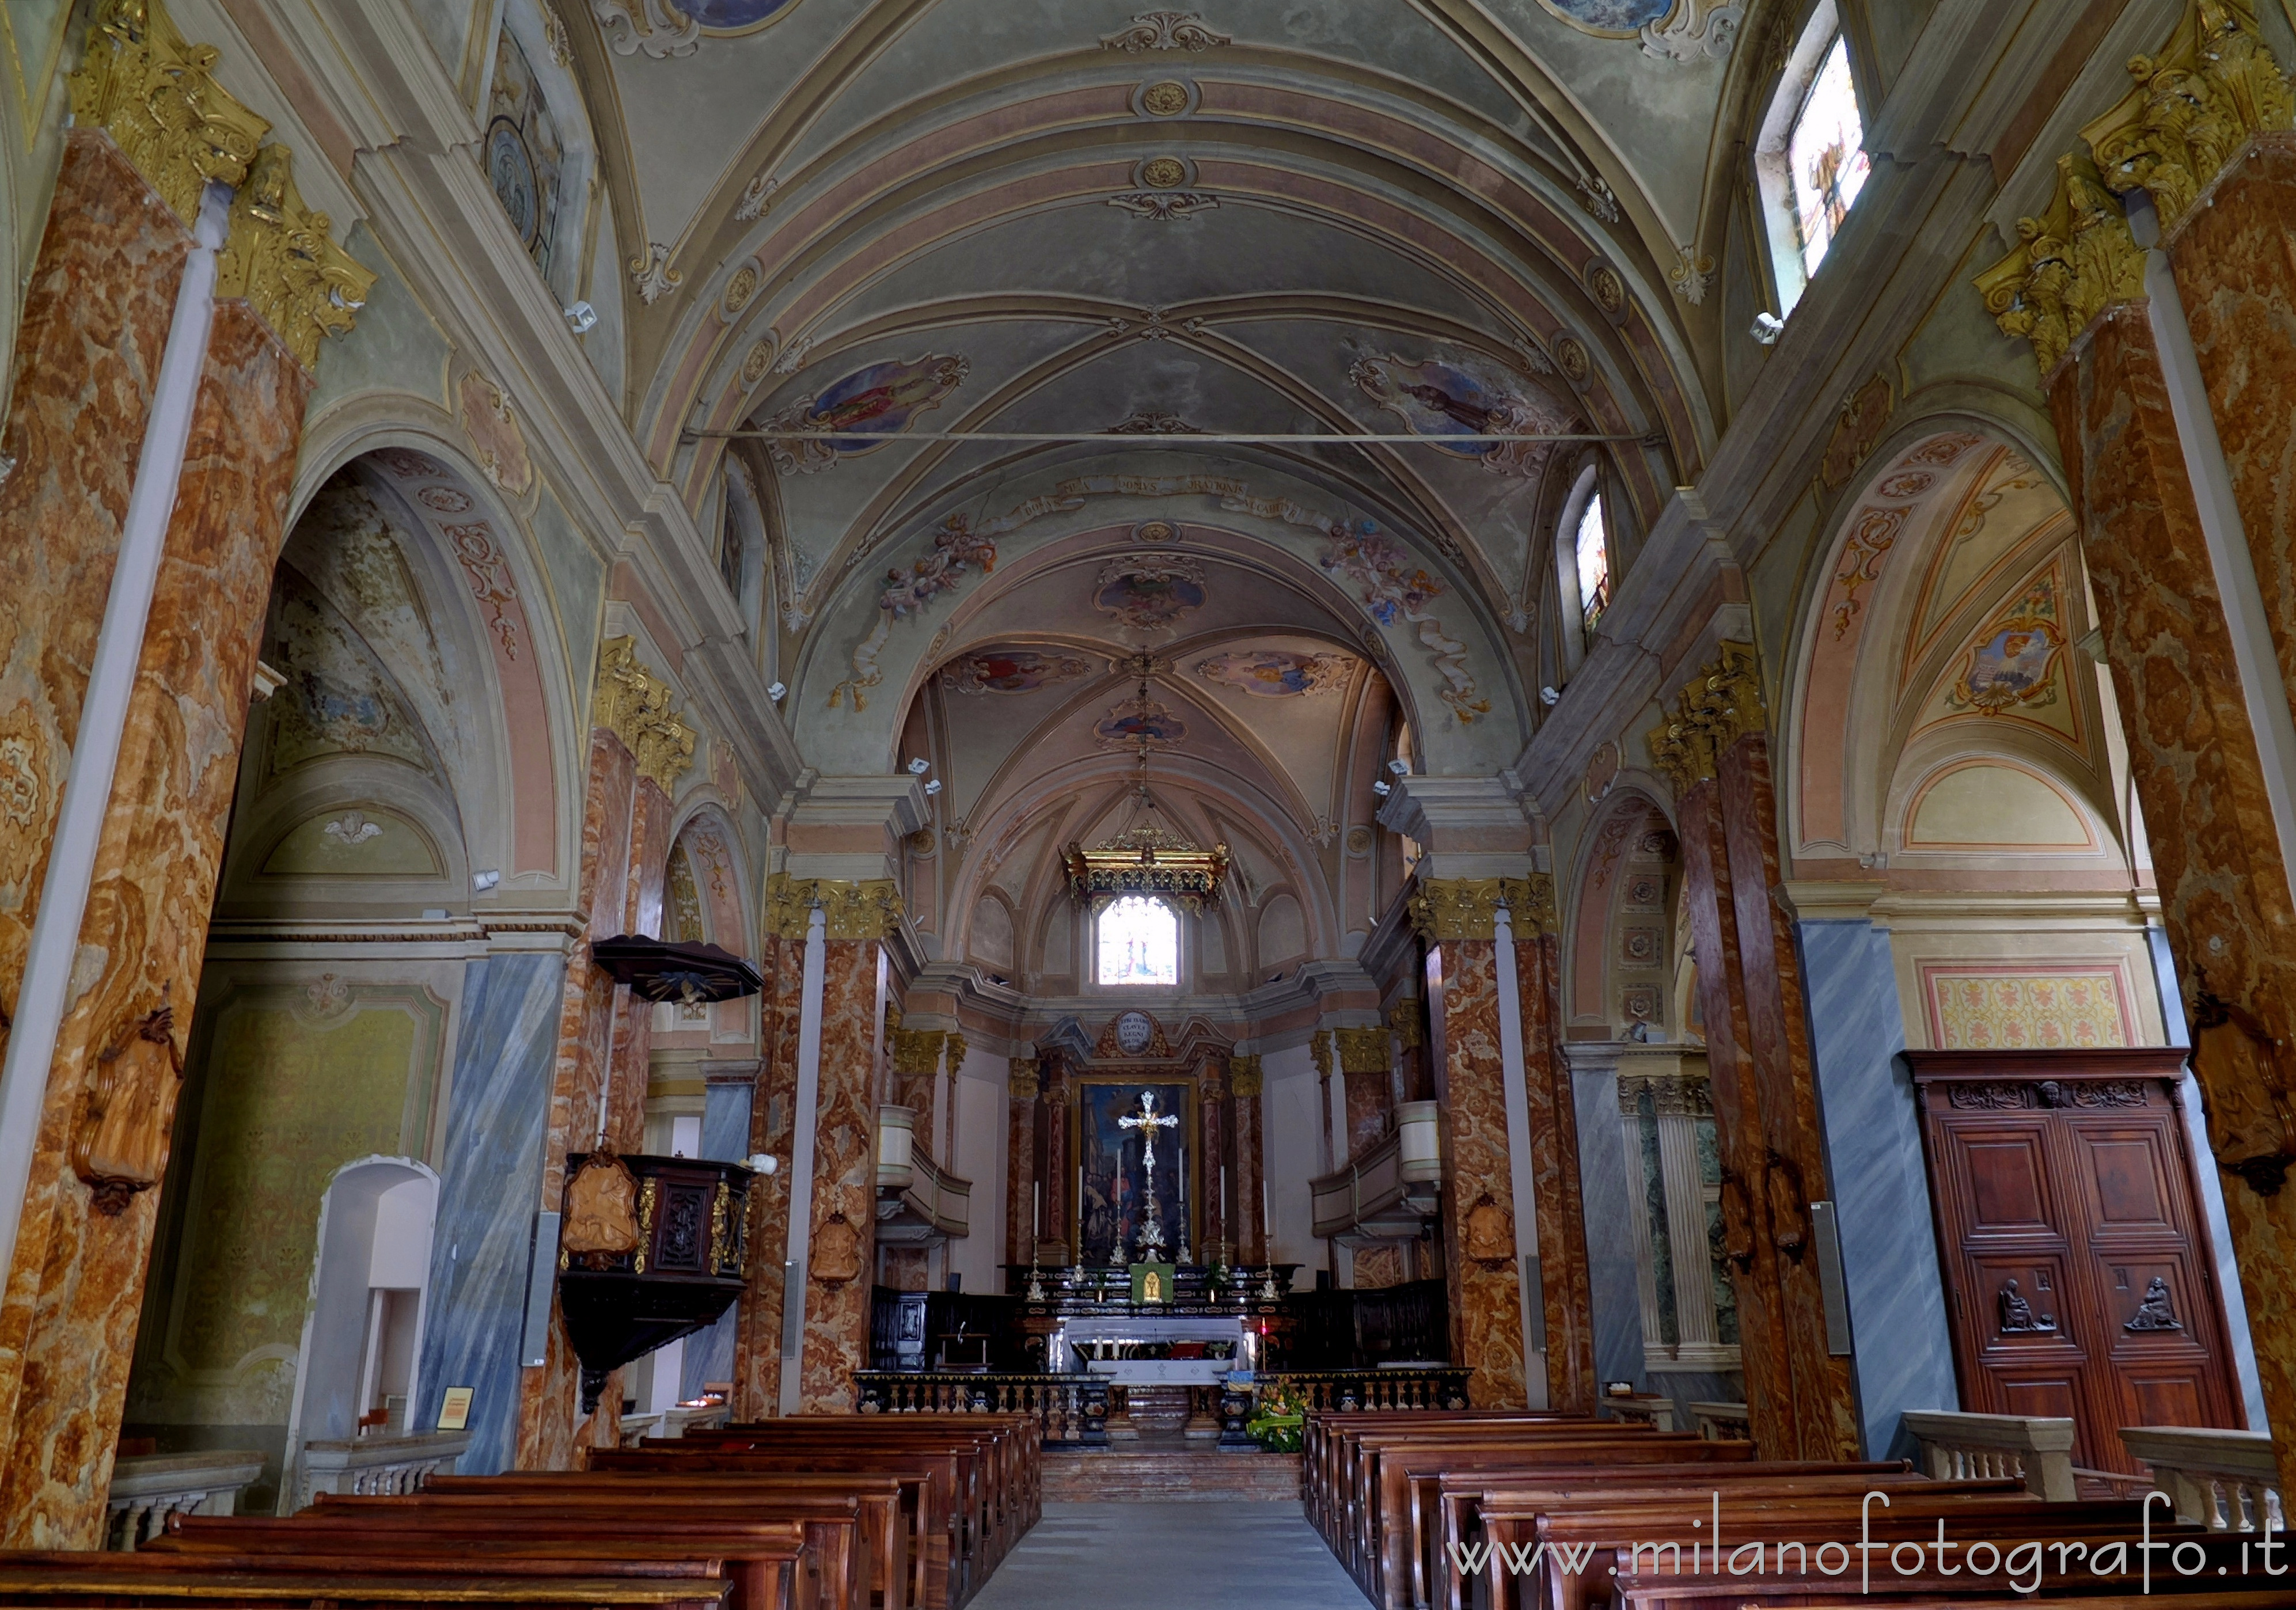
x: 1602, y: 1185
x: 2211, y: 1183
x: 490, y: 1180
x: 725, y: 1137
x: 1903, y: 1353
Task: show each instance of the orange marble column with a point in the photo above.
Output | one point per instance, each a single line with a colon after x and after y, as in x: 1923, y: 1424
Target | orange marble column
x: 843, y: 1253
x: 1250, y: 1176
x: 1021, y: 1092
x: 1211, y: 1172
x: 637, y: 750
x: 1801, y: 1399
x: 2198, y: 775
x: 1366, y: 1070
x: 76, y: 1286
x: 1479, y: 1245
x: 758, y: 1336
x: 1566, y: 1286
x: 1060, y: 1204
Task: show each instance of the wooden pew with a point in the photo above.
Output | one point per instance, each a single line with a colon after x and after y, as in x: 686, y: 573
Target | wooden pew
x: 869, y: 1557
x: 821, y: 1565
x: 942, y: 1569
x: 64, y: 1582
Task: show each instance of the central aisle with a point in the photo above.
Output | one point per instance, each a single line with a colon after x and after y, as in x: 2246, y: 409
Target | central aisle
x: 1170, y: 1556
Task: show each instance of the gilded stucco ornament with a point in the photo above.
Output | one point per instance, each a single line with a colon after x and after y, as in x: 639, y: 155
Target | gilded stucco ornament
x: 2071, y: 263
x: 1023, y: 1078
x: 1715, y: 709
x: 633, y: 704
x: 1467, y: 908
x: 863, y: 909
x: 282, y: 257
x: 156, y: 94
x: 1244, y: 1078
x: 1363, y: 1050
x: 2193, y: 107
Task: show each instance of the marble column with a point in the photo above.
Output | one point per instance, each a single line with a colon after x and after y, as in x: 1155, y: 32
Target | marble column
x: 2190, y: 586
x: 758, y: 1339
x: 1480, y: 1212
x: 1367, y: 1068
x: 98, y: 314
x: 1022, y: 1202
x: 842, y: 1249
x: 2200, y: 779
x: 1677, y: 1105
x: 1212, y: 1183
x: 489, y: 1179
x: 1246, y: 1085
x: 727, y: 1098
x: 1565, y: 1283
x: 637, y: 750
x: 1062, y: 1210
x: 1893, y: 1284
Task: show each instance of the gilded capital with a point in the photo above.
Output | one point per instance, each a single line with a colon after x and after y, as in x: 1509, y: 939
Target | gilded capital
x: 868, y: 908
x: 1320, y: 1045
x: 2191, y: 108
x: 633, y: 704
x: 1715, y: 709
x: 1363, y: 1050
x: 1410, y: 1024
x: 1468, y: 909
x: 282, y: 257
x: 917, y: 1051
x: 1243, y: 1079
x: 156, y: 95
x: 1021, y: 1077
x: 2071, y: 263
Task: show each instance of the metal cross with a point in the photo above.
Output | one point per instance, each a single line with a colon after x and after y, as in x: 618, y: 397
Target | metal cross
x: 1148, y: 1123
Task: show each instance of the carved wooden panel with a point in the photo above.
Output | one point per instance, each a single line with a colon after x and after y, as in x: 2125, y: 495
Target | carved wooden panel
x: 2078, y: 1277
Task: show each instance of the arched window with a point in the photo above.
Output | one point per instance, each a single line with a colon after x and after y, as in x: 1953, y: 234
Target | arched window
x: 1809, y: 154
x: 1139, y: 942
x: 1826, y: 155
x: 1590, y: 548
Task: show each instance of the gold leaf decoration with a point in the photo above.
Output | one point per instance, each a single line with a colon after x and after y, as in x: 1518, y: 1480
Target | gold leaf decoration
x: 282, y: 257
x: 1244, y: 1078
x: 1363, y: 1050
x: 1468, y: 909
x: 633, y: 704
x: 2071, y: 263
x: 1715, y: 709
x: 2192, y: 106
x: 156, y: 94
x: 866, y: 909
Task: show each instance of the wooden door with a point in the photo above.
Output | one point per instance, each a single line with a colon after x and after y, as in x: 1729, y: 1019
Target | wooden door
x: 2080, y: 1280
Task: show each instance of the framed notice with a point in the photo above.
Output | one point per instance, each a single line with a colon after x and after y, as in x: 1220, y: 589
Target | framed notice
x: 455, y: 1411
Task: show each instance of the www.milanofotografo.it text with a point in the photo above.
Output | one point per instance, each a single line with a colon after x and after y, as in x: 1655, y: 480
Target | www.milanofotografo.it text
x: 2022, y: 1566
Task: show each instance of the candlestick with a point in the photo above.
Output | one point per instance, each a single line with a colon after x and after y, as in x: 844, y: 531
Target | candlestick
x: 1037, y: 1186
x: 1266, y: 1225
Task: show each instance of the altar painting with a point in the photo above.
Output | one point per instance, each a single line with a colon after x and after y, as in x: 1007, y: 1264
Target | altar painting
x: 1114, y: 1204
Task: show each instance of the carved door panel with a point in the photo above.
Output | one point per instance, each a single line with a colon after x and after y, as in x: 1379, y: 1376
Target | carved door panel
x: 2077, y: 1271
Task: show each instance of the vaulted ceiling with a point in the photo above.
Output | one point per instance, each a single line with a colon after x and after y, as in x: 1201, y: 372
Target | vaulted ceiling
x: 864, y: 234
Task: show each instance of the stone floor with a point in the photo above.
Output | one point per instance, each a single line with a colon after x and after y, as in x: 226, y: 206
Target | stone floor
x: 1170, y: 1556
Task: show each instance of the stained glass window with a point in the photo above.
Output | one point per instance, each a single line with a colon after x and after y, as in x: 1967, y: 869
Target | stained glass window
x: 1826, y: 155
x: 1139, y: 942
x: 1593, y: 551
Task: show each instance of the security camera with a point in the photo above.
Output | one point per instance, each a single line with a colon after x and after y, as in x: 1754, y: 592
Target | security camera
x: 775, y: 692
x: 764, y: 1162
x: 1381, y: 790
x: 1768, y: 328
x: 481, y: 881
x: 1399, y: 767
x: 933, y: 786
x: 1548, y: 695
x: 580, y: 317
x: 918, y: 769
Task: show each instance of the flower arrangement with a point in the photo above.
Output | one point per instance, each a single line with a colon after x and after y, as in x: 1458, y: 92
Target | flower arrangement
x: 1277, y: 1417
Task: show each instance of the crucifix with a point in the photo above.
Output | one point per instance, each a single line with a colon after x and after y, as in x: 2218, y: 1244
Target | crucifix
x: 1147, y: 1121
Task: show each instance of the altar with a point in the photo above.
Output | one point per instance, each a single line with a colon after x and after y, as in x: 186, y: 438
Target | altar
x: 1154, y: 1350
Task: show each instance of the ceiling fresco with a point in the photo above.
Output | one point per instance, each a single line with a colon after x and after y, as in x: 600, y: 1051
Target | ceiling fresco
x: 1036, y: 331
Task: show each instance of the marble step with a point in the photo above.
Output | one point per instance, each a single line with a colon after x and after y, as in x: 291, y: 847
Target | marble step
x: 1113, y: 1477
